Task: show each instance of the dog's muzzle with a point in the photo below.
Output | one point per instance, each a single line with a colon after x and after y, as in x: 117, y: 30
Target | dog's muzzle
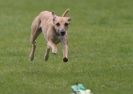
x: 62, y: 33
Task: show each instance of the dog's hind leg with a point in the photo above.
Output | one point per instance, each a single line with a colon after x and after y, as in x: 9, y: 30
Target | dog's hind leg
x: 31, y: 56
x: 35, y: 31
x: 33, y: 42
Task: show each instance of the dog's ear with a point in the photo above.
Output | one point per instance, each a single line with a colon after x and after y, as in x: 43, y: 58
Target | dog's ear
x: 54, y: 16
x: 65, y: 14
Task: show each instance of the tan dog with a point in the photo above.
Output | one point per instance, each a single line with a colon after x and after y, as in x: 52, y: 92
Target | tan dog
x: 54, y: 29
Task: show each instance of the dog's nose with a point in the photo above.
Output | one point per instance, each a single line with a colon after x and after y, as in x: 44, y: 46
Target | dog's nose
x: 62, y: 33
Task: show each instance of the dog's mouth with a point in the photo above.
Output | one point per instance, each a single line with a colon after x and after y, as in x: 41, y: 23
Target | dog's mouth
x: 62, y: 33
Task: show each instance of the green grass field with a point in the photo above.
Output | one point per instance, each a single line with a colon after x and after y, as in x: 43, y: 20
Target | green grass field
x: 100, y: 48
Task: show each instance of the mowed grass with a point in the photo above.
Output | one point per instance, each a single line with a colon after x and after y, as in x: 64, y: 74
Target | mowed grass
x: 100, y: 48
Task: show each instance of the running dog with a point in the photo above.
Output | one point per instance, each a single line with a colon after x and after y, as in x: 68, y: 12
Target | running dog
x: 54, y: 29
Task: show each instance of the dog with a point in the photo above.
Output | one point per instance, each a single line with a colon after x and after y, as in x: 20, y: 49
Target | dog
x: 54, y: 29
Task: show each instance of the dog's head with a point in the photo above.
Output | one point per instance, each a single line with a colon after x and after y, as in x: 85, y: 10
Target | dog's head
x: 61, y: 23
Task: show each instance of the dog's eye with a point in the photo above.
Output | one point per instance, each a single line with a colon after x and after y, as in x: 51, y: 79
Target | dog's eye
x: 66, y: 24
x: 57, y: 24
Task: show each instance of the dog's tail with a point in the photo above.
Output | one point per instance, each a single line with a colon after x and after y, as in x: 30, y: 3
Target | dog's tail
x: 65, y: 13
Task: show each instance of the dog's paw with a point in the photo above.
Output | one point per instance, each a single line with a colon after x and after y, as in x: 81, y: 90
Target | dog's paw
x: 54, y: 51
x: 65, y: 59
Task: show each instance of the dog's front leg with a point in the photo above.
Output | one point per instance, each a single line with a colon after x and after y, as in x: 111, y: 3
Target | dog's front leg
x: 65, y: 49
x: 52, y: 46
x: 65, y: 53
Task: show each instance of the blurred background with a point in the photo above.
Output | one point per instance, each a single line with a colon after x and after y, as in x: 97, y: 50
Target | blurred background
x: 100, y: 48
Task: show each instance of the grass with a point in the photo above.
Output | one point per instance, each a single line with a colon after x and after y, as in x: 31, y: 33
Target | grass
x: 100, y: 48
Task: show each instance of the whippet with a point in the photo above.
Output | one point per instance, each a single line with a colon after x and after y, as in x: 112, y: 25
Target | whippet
x: 54, y: 29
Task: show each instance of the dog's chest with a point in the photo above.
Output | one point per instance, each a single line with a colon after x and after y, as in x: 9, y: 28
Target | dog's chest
x: 56, y: 39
